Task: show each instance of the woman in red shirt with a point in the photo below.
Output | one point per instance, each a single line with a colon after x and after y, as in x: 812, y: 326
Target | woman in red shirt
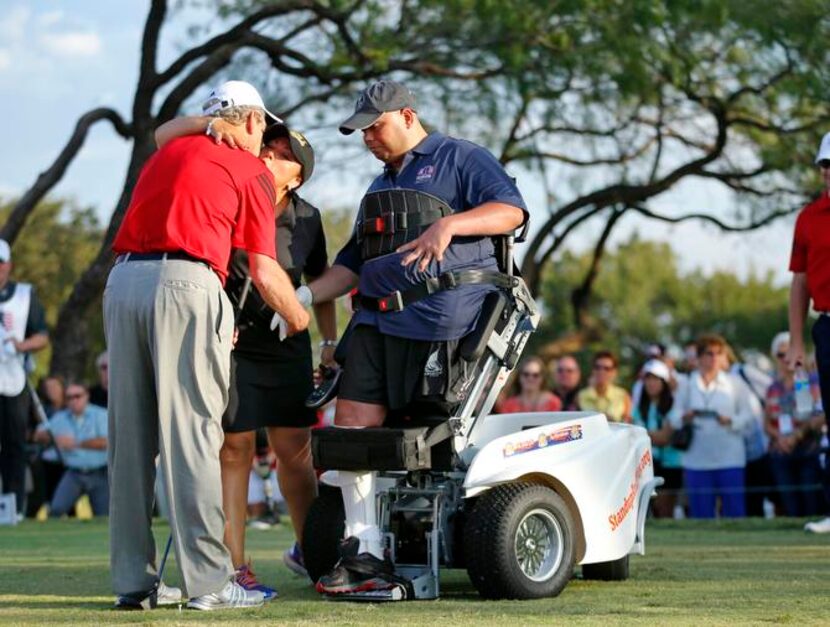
x: 533, y: 395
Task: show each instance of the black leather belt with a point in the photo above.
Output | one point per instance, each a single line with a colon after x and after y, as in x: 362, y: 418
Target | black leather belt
x: 178, y: 255
x: 396, y: 301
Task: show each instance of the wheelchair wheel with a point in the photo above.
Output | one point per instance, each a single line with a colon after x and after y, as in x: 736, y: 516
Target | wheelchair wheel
x: 615, y: 570
x: 519, y: 542
x: 323, y: 531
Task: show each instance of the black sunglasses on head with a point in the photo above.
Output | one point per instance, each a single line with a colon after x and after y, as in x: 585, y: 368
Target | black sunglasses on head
x: 824, y: 164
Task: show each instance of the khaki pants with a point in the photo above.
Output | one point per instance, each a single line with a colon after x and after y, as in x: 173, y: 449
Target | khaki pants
x: 169, y: 328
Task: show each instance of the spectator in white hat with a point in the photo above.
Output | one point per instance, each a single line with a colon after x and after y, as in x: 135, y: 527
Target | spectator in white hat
x: 652, y: 412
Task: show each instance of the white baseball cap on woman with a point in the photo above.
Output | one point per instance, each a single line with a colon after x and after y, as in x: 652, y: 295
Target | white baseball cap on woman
x: 658, y: 369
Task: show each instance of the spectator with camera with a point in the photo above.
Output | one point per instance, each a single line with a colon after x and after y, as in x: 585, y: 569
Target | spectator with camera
x: 602, y: 394
x: 794, y: 439
x: 716, y: 404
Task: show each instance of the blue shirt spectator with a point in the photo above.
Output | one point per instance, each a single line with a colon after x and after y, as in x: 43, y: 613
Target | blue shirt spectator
x: 89, y: 424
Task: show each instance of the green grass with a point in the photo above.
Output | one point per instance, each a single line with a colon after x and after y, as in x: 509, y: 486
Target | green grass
x: 695, y: 572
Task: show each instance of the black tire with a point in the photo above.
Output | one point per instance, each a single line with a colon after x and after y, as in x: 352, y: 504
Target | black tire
x: 323, y: 531
x: 615, y: 570
x: 490, y: 542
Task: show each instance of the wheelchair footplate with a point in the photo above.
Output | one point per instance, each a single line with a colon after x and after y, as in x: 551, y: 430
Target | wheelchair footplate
x: 396, y: 593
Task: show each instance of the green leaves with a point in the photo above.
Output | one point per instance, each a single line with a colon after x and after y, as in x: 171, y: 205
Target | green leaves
x: 642, y: 296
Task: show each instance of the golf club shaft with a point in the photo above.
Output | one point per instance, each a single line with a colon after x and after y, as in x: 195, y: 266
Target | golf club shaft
x: 43, y: 419
x: 164, y: 557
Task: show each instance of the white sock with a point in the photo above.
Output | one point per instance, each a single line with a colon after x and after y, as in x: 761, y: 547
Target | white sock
x: 358, y: 490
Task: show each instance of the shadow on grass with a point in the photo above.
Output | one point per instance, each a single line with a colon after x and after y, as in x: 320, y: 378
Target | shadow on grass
x: 55, y: 602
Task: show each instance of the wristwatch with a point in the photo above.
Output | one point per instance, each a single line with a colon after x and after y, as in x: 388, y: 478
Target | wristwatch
x: 324, y: 343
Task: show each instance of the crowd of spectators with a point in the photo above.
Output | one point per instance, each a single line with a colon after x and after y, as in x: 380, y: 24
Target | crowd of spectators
x: 751, y: 453
x: 726, y: 435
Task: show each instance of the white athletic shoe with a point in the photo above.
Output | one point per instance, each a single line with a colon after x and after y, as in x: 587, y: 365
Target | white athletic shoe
x: 168, y: 595
x: 819, y: 526
x: 231, y: 596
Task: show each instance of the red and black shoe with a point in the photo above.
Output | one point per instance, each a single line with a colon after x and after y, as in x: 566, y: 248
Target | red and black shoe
x: 358, y: 573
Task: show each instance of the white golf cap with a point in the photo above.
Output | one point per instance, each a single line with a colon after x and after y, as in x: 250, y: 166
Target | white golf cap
x: 658, y: 369
x: 236, y: 94
x: 5, y: 251
x: 824, y: 149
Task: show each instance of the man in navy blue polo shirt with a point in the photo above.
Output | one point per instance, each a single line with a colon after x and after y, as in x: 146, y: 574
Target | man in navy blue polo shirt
x: 399, y: 353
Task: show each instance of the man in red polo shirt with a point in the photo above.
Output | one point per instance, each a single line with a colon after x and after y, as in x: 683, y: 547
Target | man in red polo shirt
x: 810, y: 265
x: 169, y: 328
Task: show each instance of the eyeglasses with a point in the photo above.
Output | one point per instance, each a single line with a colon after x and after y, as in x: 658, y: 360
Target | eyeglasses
x: 824, y: 164
x: 532, y: 375
x: 74, y: 397
x: 712, y: 353
x: 566, y: 370
x: 605, y: 367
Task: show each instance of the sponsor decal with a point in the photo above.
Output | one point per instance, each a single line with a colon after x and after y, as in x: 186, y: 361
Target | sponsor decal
x: 560, y: 436
x: 425, y: 173
x: 617, y: 518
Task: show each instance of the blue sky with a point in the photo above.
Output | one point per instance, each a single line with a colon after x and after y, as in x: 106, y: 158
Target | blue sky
x: 58, y: 59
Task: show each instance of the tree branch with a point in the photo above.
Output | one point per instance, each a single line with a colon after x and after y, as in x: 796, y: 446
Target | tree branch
x: 514, y: 129
x: 231, y: 36
x: 556, y: 156
x: 627, y: 195
x: 218, y: 59
x: 582, y: 294
x: 50, y: 177
x: 729, y: 228
x: 147, y: 68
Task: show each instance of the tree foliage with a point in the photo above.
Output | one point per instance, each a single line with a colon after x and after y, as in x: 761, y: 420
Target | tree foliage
x: 60, y: 241
x: 641, y: 296
x: 611, y: 104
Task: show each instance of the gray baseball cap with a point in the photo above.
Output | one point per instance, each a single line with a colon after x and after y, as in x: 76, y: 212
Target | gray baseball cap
x: 374, y: 101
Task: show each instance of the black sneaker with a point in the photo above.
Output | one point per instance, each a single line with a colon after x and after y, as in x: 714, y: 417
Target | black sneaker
x: 361, y: 573
x: 327, y: 389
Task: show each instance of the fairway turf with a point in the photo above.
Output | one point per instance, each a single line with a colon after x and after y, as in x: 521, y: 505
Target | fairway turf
x: 694, y: 572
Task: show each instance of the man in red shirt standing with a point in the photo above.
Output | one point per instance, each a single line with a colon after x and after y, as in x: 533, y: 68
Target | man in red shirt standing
x: 810, y: 265
x: 169, y: 328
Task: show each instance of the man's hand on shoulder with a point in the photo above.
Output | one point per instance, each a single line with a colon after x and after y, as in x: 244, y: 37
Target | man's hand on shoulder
x: 223, y: 132
x: 430, y: 245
